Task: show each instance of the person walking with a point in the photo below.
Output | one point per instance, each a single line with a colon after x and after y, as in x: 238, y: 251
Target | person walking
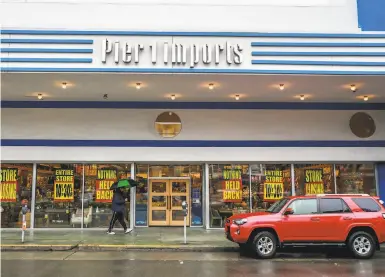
x: 119, y: 209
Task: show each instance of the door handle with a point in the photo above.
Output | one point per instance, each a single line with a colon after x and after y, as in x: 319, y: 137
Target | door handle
x: 347, y: 218
x: 315, y: 219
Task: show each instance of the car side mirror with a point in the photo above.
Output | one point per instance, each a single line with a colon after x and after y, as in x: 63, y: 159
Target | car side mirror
x: 289, y: 211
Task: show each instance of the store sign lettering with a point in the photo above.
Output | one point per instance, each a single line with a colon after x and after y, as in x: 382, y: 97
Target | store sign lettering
x: 8, y: 183
x: 64, y: 185
x: 273, y: 186
x: 106, y: 177
x: 313, y: 181
x: 173, y: 53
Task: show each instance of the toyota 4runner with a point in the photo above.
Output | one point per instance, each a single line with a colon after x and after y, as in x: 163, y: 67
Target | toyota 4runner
x: 355, y: 221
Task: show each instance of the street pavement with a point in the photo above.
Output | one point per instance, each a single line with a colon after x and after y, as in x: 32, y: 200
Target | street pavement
x: 184, y: 264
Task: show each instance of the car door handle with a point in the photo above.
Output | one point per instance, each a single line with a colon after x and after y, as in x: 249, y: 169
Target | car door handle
x: 315, y: 219
x: 347, y: 218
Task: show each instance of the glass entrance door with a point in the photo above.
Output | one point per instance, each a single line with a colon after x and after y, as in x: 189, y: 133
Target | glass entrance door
x: 166, y: 197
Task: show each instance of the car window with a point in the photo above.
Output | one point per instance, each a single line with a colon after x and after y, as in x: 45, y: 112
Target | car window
x: 304, y: 206
x: 333, y: 206
x: 367, y: 204
x: 277, y: 206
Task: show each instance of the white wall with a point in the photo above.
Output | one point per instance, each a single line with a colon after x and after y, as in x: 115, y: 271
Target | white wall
x: 183, y: 15
x: 106, y: 124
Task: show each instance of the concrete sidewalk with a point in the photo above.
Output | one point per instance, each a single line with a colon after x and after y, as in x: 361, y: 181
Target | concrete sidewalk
x: 198, y: 239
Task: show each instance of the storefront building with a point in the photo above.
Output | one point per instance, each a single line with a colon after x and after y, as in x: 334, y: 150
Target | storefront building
x: 229, y: 118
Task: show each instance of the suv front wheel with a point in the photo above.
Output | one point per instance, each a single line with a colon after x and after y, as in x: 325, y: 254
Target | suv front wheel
x: 265, y: 245
x: 362, y: 245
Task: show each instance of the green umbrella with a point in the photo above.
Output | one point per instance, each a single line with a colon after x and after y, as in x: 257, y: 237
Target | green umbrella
x: 124, y: 183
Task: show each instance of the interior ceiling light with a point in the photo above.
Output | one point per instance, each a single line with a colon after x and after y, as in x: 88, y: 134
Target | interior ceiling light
x: 173, y: 97
x: 64, y: 85
x: 366, y: 98
x: 302, y: 97
x: 353, y: 88
x: 237, y: 97
x: 138, y: 85
x: 281, y: 86
x: 40, y: 96
x: 211, y: 86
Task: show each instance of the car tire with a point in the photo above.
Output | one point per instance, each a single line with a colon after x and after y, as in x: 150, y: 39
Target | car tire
x: 265, y: 245
x: 362, y: 245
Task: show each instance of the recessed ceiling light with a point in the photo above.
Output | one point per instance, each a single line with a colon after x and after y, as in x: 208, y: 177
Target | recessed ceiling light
x: 64, y: 85
x: 138, y: 85
x: 173, y: 97
x: 302, y: 97
x: 40, y: 96
x: 281, y: 86
x: 237, y: 97
x: 211, y: 86
x: 353, y: 88
x: 366, y: 98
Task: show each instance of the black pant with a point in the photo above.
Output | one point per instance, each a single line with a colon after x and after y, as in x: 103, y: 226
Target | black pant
x: 117, y: 216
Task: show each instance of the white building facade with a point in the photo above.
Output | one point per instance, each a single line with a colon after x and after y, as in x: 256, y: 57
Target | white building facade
x: 276, y: 98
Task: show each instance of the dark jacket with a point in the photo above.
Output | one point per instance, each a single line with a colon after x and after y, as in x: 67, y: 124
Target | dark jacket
x: 118, y: 201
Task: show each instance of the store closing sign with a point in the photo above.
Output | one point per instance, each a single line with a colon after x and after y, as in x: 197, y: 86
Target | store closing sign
x: 313, y: 181
x: 273, y: 186
x: 232, y: 185
x: 8, y: 181
x: 64, y: 185
x: 106, y: 177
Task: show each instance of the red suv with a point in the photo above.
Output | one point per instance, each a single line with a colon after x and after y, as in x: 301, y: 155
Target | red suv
x: 355, y: 221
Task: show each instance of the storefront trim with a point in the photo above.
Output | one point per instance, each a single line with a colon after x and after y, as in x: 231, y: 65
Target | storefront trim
x: 191, y: 34
x: 191, y: 143
x: 192, y: 105
x: 33, y: 195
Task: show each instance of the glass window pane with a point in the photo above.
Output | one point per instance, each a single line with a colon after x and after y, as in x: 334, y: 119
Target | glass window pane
x: 58, y: 195
x: 356, y: 178
x: 314, y: 179
x: 367, y: 204
x: 304, y: 206
x: 16, y: 185
x: 269, y: 183
x: 98, y: 196
x: 196, y: 173
x: 328, y: 206
x: 141, y: 195
x: 229, y: 192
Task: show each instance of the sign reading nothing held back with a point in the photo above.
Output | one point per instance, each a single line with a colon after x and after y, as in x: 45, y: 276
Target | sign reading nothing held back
x: 106, y: 177
x: 8, y: 182
x: 232, y: 185
x: 313, y: 181
x: 64, y: 185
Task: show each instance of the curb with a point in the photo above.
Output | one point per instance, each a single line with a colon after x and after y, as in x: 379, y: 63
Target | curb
x: 35, y: 247
x: 122, y: 247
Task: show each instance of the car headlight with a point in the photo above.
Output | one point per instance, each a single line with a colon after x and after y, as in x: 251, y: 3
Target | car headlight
x: 240, y: 221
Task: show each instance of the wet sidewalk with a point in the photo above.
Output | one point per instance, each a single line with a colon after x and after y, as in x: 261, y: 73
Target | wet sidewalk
x: 198, y: 239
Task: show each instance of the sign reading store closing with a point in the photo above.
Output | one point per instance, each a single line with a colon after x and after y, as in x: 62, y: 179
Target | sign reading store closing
x: 64, y: 185
x: 8, y: 182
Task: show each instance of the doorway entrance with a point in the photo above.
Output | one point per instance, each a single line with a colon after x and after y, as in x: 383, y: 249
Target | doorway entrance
x: 165, y: 201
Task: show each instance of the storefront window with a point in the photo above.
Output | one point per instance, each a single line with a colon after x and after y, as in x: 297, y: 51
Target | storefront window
x: 16, y: 185
x: 269, y: 183
x: 356, y: 178
x: 196, y: 195
x: 229, y: 190
x: 314, y: 179
x: 98, y: 196
x: 58, y: 195
x: 141, y: 195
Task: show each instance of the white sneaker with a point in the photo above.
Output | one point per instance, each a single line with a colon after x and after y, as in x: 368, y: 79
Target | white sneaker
x: 111, y: 233
x: 128, y: 231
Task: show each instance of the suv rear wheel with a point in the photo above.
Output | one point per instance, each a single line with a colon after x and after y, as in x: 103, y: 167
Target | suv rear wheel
x: 362, y: 245
x: 265, y: 245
